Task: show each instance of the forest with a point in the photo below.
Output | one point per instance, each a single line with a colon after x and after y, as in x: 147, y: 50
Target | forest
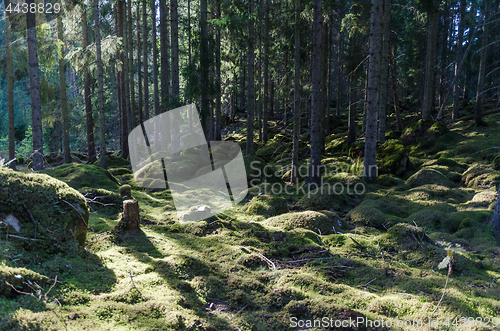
x: 364, y: 132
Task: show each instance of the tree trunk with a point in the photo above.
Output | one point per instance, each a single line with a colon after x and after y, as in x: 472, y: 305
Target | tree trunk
x: 444, y: 52
x: 351, y: 129
x: 156, y: 96
x: 316, y: 103
x: 218, y: 103
x: 120, y: 13
x: 10, y: 90
x: 100, y: 87
x: 265, y: 110
x: 340, y: 66
x: 294, y: 177
x: 175, y: 52
x: 130, y: 219
x: 373, y: 93
x: 165, y: 65
x: 132, y: 120
x: 62, y: 87
x: 323, y: 88
x: 145, y: 60
x: 458, y: 52
x: 250, y: 75
x: 36, y: 103
x: 87, y: 94
x: 397, y: 113
x: 126, y: 86
x: 204, y: 67
x: 139, y: 64
x: 384, y: 70
x: 482, y: 66
x: 429, y: 63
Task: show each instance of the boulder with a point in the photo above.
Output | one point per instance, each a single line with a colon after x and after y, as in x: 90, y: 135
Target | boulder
x: 428, y: 176
x: 323, y: 221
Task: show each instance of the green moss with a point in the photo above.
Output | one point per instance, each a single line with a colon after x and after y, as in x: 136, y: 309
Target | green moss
x: 428, y: 218
x: 390, y: 181
x: 392, y: 158
x: 83, y: 175
x: 46, y: 209
x: 323, y: 221
x: 368, y: 214
x: 428, y: 176
x: 321, y: 199
x: 266, y: 205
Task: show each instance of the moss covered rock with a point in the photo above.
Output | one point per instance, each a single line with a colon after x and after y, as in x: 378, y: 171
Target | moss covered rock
x: 407, y: 235
x: 368, y: 214
x: 83, y: 175
x: 49, y: 214
x: 323, y: 221
x: 19, y: 278
x: 479, y: 176
x: 266, y: 205
x: 393, y: 157
x: 484, y: 199
x: 322, y: 199
x: 428, y: 176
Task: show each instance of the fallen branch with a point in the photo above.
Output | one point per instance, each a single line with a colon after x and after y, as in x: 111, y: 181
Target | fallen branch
x: 19, y: 237
x: 371, y: 281
x: 471, y: 117
x: 268, y: 261
x: 304, y: 260
x: 357, y: 243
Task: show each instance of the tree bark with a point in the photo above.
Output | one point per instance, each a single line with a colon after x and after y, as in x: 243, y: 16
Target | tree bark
x: 156, y: 96
x: 132, y: 119
x: 145, y: 58
x: 265, y: 110
x: 36, y: 103
x: 10, y: 90
x: 296, y: 97
x: 384, y: 70
x: 250, y: 75
x: 204, y: 67
x: 482, y: 66
x: 373, y: 93
x: 316, y: 102
x: 120, y: 13
x: 87, y: 95
x: 429, y: 63
x: 458, y: 51
x: 62, y: 87
x: 218, y: 103
x: 165, y: 63
x: 139, y: 63
x: 100, y: 87
x: 175, y: 52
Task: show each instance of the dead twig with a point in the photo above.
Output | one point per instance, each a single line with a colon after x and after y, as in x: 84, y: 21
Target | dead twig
x: 357, y: 243
x: 19, y: 237
x: 268, y: 261
x: 371, y: 281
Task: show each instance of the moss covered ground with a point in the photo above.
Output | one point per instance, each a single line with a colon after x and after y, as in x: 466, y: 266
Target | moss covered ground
x: 281, y: 255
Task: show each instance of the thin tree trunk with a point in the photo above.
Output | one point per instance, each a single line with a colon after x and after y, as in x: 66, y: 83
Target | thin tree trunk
x: 100, y: 86
x: 384, y: 70
x: 175, y: 52
x: 165, y: 65
x: 444, y: 51
x: 10, y: 90
x: 340, y: 65
x: 126, y: 69
x: 250, y: 87
x: 265, y: 110
x: 120, y: 13
x: 373, y: 93
x: 399, y: 123
x: 351, y: 128
x: 429, y: 63
x: 132, y: 119
x: 323, y: 89
x: 204, y: 67
x: 294, y: 177
x: 156, y: 96
x: 189, y: 30
x: 145, y: 61
x: 458, y: 51
x: 87, y: 95
x: 139, y: 64
x: 482, y: 66
x: 62, y: 87
x: 218, y: 103
x: 36, y: 103
x: 316, y: 103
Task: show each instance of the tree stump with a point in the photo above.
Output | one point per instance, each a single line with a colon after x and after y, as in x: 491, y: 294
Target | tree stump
x: 130, y: 216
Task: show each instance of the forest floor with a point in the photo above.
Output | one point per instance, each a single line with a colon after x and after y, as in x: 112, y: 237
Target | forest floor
x: 280, y: 262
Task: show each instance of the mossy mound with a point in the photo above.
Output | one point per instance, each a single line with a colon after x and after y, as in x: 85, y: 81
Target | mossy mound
x: 259, y: 171
x: 323, y: 221
x: 273, y: 148
x: 484, y: 199
x: 19, y: 278
x: 429, y: 218
x: 390, y: 181
x: 393, y: 157
x: 47, y: 213
x: 367, y: 214
x: 266, y: 205
x: 83, y: 175
x: 322, y: 199
x: 428, y: 176
x: 380, y: 213
x: 473, y: 171
x: 102, y: 200
x: 482, y: 177
x: 406, y: 235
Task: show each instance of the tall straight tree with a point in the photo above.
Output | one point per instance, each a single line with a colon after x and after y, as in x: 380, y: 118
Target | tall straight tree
x: 89, y: 116
x: 100, y: 86
x: 250, y: 76
x: 139, y: 63
x: 156, y: 97
x: 120, y: 24
x: 459, y: 54
x: 145, y: 60
x: 432, y: 29
x: 218, y: 103
x: 175, y: 51
x: 482, y: 66
x: 316, y: 102
x: 373, y: 92
x: 36, y: 102
x: 10, y: 89
x: 265, y: 113
x: 384, y: 70
x: 62, y: 87
x: 132, y: 114
x: 294, y: 176
x: 165, y: 66
x: 204, y: 68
